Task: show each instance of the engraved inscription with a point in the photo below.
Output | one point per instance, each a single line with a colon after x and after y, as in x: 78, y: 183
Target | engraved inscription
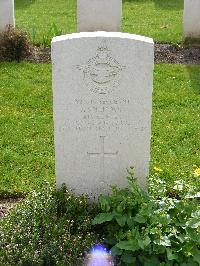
x: 102, y: 72
x: 102, y: 155
x: 101, y: 115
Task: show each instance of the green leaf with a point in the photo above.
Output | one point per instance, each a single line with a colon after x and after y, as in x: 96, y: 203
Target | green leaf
x: 105, y: 203
x: 194, y: 222
x: 163, y: 241
x: 144, y: 242
x: 141, y: 243
x: 197, y: 258
x: 121, y: 234
x: 111, y: 240
x: 147, y: 241
x: 128, y: 245
x: 181, y: 238
x: 171, y: 255
x: 139, y: 218
x: 128, y: 258
x: 121, y: 219
x: 152, y: 261
x: 115, y: 251
x: 102, y: 218
x: 130, y: 222
x: 193, y: 234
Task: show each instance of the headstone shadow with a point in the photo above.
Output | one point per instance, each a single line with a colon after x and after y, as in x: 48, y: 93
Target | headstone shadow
x: 136, y: 1
x: 169, y: 4
x: 22, y: 4
x: 162, y: 4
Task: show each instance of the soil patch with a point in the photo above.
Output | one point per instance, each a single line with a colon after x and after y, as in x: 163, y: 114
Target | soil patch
x: 176, y: 54
x: 164, y: 53
x: 39, y: 55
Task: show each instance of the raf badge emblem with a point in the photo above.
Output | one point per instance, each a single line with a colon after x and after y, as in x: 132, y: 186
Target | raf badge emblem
x: 102, y: 72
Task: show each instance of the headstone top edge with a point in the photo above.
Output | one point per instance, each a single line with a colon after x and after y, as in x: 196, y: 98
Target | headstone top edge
x: 102, y: 34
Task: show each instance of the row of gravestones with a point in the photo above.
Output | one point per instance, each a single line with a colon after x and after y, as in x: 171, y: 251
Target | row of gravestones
x: 102, y: 101
x: 106, y: 12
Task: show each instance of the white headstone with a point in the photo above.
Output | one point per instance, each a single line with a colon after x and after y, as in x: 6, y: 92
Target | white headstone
x: 99, y: 15
x: 102, y: 94
x: 6, y: 14
x: 192, y: 19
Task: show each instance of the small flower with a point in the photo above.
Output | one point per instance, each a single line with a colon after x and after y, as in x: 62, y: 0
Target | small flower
x: 197, y: 171
x: 157, y: 169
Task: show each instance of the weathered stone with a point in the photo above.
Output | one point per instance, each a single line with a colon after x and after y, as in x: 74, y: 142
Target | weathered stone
x: 6, y: 14
x: 102, y: 94
x: 192, y: 19
x: 99, y: 15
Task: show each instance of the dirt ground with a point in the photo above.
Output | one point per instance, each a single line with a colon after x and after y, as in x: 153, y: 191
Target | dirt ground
x: 164, y: 53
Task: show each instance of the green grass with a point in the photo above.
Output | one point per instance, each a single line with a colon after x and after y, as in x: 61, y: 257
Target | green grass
x: 38, y: 16
x: 160, y: 19
x: 26, y: 124
x: 176, y: 119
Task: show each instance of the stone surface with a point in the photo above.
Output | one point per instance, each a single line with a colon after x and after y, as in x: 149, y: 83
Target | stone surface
x: 191, y: 19
x: 6, y: 13
x: 102, y: 94
x: 99, y: 15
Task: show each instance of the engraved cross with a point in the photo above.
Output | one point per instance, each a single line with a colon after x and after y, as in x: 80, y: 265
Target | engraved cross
x: 102, y: 155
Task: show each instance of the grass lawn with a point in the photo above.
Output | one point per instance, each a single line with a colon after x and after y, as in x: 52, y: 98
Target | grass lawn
x: 160, y: 19
x: 26, y: 124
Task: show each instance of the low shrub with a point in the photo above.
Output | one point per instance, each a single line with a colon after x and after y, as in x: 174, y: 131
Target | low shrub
x: 144, y: 230
x: 14, y: 44
x: 56, y: 228
x: 163, y: 184
x: 48, y: 228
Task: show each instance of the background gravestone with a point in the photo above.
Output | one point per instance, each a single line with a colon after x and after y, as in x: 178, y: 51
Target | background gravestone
x: 102, y: 93
x: 99, y: 15
x: 192, y: 19
x: 6, y: 13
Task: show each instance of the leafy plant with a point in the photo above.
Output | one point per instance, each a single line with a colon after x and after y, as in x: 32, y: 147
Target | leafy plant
x: 14, y: 44
x: 33, y: 35
x: 143, y: 230
x: 48, y: 228
x: 45, y: 37
x: 187, y: 185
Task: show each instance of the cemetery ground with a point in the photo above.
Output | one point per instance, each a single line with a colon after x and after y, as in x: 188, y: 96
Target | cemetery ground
x: 28, y: 163
x: 27, y: 124
x: 43, y: 229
